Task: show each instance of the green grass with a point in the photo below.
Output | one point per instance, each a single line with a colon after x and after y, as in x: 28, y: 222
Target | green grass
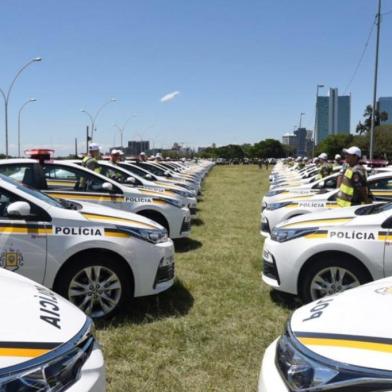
x: 209, y: 332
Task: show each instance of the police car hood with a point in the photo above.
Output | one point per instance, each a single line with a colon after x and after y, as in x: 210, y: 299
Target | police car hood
x: 333, y: 217
x: 102, y: 214
x: 34, y: 320
x: 353, y: 327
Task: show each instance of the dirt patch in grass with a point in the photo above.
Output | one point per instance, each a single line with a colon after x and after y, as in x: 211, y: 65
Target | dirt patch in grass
x: 209, y: 332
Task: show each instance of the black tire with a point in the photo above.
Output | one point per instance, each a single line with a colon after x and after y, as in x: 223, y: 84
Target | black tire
x: 354, y: 273
x: 119, y: 287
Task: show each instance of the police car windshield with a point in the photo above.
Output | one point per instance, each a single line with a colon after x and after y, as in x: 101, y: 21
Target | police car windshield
x: 374, y: 209
x: 32, y: 192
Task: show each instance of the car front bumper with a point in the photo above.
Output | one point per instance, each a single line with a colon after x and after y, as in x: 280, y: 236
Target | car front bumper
x: 270, y: 379
x: 92, y: 376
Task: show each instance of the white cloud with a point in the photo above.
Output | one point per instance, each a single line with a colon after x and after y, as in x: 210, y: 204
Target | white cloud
x: 170, y: 96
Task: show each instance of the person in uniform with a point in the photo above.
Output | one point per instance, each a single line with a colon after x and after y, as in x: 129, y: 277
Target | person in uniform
x: 325, y: 168
x: 115, y: 156
x: 91, y: 159
x: 353, y: 189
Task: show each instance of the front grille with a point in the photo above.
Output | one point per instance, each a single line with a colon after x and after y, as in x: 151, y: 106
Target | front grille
x: 186, y: 226
x: 270, y: 270
x: 164, y: 274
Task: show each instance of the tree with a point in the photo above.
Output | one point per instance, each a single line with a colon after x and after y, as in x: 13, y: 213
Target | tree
x: 364, y: 127
x: 269, y: 148
x: 334, y: 144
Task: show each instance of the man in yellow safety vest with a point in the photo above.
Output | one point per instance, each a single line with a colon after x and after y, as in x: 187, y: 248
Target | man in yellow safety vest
x: 91, y: 160
x: 353, y: 189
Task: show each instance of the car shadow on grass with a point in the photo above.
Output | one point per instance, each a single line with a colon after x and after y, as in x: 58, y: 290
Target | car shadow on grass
x: 177, y: 301
x: 183, y: 245
x: 284, y: 300
x: 197, y: 222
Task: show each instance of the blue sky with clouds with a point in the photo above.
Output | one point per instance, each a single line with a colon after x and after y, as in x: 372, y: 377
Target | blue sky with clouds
x: 244, y: 69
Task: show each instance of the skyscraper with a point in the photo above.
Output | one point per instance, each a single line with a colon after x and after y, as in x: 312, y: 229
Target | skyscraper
x: 333, y: 115
x: 385, y: 105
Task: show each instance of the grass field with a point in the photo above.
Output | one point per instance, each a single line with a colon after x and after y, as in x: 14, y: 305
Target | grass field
x: 209, y: 332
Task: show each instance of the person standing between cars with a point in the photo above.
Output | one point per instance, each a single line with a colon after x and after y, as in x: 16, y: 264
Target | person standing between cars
x: 91, y: 159
x: 353, y: 189
x: 115, y: 156
x: 344, y: 165
x: 325, y: 167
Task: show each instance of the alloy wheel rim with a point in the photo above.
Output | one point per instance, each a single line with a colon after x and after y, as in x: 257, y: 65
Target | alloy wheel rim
x: 332, y: 280
x: 96, y: 290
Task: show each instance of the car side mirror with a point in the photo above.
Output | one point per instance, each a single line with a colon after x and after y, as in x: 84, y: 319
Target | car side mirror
x: 19, y: 209
x: 167, y: 173
x: 107, y: 186
x: 148, y: 176
x: 130, y: 180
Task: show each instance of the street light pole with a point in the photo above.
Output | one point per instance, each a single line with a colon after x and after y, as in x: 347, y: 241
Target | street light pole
x: 122, y: 129
x: 20, y: 111
x: 6, y: 97
x: 94, y: 118
x: 373, y: 120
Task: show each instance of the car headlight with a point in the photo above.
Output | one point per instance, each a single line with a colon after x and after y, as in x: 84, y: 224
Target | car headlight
x: 55, y: 371
x: 275, y: 206
x: 182, y: 193
x: 154, y: 236
x: 283, y: 235
x: 274, y: 193
x: 305, y: 371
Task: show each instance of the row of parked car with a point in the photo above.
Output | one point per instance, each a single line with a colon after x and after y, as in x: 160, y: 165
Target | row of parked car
x: 95, y: 239
x: 313, y: 249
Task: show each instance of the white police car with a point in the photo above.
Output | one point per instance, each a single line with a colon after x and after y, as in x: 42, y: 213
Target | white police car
x: 380, y: 186
x: 65, y: 180
x: 46, y: 343
x: 327, y: 252
x: 122, y: 175
x: 339, y: 343
x: 97, y: 257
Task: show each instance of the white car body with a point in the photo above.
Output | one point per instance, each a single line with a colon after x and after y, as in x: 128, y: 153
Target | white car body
x: 341, y: 341
x: 45, y: 341
x: 315, y: 186
x: 380, y: 186
x: 59, y: 245
x: 145, y: 172
x: 147, y: 186
x: 351, y: 245
x: 61, y: 178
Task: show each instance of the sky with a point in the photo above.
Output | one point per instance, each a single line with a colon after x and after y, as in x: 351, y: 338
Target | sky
x: 231, y: 71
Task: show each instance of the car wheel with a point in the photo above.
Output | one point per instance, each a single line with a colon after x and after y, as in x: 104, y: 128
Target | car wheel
x: 98, y: 287
x: 328, y: 276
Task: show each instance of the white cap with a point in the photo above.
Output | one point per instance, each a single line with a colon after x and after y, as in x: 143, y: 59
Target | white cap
x: 323, y: 155
x: 115, y: 152
x: 353, y: 150
x: 93, y: 147
x: 299, y: 159
x: 338, y: 156
x: 305, y: 158
x: 142, y: 153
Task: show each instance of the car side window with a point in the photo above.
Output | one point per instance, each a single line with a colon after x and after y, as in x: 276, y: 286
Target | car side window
x: 72, y: 179
x: 117, y: 175
x: 383, y: 183
x: 22, y: 173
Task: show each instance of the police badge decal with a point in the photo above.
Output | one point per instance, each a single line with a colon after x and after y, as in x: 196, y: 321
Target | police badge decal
x: 11, y: 259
